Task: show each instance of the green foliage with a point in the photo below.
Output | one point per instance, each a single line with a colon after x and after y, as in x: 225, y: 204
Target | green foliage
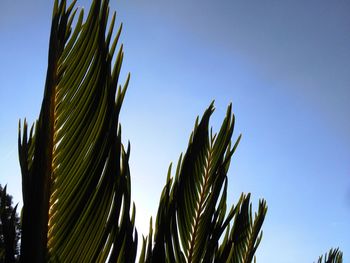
x: 75, y: 173
x: 333, y: 256
x: 9, y: 228
x: 192, y: 216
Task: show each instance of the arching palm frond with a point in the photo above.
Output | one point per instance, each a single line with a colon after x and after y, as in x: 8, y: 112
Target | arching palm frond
x: 333, y: 256
x: 192, y: 212
x: 75, y: 173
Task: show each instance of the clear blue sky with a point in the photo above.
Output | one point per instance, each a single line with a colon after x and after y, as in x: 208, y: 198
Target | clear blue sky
x: 285, y: 66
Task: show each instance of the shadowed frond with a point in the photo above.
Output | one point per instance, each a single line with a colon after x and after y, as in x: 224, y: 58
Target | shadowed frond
x: 192, y: 215
x: 243, y: 239
x: 75, y: 173
x: 333, y: 256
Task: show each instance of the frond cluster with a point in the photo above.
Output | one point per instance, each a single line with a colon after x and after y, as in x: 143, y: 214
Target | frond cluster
x: 75, y: 170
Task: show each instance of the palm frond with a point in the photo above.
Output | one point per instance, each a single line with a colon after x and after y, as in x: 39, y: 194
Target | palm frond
x: 243, y: 239
x: 75, y: 173
x: 333, y: 256
x: 192, y: 216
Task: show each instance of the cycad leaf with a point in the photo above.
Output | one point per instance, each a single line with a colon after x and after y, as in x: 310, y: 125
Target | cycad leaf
x: 192, y: 211
x: 245, y: 234
x: 196, y: 182
x: 76, y: 181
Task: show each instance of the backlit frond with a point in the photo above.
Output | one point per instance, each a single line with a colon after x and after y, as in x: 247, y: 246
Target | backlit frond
x: 192, y: 211
x: 76, y: 181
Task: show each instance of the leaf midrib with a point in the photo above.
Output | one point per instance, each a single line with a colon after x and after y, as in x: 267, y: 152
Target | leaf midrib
x: 198, y: 211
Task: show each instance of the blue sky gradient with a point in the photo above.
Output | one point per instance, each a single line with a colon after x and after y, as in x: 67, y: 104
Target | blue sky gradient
x: 285, y: 66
